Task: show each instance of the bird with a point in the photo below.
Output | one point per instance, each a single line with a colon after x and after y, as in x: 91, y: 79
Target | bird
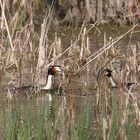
x: 52, y: 71
x: 114, y: 84
x: 24, y: 90
x: 110, y: 79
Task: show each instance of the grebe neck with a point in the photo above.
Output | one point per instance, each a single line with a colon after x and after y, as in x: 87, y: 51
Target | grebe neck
x: 49, y: 83
x: 113, y: 83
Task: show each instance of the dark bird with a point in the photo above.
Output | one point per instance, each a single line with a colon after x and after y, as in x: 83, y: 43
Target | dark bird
x: 114, y: 84
x: 23, y: 90
x: 52, y: 71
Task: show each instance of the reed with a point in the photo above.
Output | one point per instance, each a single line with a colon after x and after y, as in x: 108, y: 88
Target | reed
x: 27, y: 52
x: 113, y: 117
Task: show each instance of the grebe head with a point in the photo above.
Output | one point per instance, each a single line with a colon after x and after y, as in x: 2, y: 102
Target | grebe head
x: 56, y: 69
x: 107, y: 72
x: 52, y: 71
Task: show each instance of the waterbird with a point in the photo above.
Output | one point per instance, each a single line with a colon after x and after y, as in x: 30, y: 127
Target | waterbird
x: 114, y: 84
x: 52, y: 70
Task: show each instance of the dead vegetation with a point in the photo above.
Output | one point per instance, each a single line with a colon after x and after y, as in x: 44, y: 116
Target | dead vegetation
x: 26, y: 53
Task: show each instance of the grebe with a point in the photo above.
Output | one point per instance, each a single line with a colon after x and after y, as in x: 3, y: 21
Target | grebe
x: 114, y: 84
x: 108, y: 74
x: 52, y: 70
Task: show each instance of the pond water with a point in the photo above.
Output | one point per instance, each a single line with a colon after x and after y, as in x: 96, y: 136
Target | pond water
x: 77, y: 112
x: 83, y: 111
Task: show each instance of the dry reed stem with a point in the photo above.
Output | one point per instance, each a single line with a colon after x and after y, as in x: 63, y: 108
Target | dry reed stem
x: 43, y: 39
x: 6, y: 24
x: 135, y: 103
x: 71, y: 46
x: 43, y: 44
x: 104, y: 49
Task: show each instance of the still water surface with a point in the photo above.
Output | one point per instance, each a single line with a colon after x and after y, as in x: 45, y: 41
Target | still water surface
x: 73, y: 105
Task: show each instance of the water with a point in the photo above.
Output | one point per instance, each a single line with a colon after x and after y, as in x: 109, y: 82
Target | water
x: 70, y: 110
x: 82, y: 111
x: 62, y: 108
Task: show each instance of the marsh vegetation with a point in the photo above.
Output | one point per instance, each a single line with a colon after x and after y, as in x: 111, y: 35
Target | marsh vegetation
x: 87, y: 107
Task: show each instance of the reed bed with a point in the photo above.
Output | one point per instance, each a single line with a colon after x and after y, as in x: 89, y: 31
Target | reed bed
x: 102, y: 113
x: 110, y: 119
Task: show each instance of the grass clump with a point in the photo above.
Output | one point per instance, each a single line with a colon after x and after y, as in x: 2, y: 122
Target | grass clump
x: 22, y: 124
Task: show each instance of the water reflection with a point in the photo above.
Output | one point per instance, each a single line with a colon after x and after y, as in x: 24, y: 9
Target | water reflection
x: 65, y: 110
x: 78, y: 109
